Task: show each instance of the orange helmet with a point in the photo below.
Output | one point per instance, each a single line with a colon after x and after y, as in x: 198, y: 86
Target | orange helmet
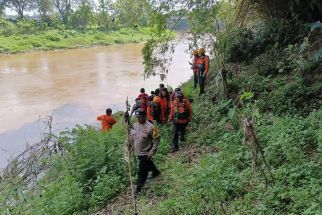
x: 156, y: 99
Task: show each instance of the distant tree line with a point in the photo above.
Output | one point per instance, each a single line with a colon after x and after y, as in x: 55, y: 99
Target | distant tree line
x: 81, y: 14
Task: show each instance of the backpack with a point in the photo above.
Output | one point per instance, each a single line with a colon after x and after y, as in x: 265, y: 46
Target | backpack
x: 202, y: 64
x: 181, y: 111
x: 156, y: 109
x: 194, y: 65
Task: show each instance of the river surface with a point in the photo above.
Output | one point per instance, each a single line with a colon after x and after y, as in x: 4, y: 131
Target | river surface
x: 74, y: 86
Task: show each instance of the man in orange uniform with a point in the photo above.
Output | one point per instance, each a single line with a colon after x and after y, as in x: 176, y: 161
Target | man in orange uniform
x: 181, y: 115
x: 173, y: 95
x: 164, y: 105
x: 157, y: 109
x: 149, y: 112
x: 194, y: 67
x: 107, y: 120
x: 203, y: 68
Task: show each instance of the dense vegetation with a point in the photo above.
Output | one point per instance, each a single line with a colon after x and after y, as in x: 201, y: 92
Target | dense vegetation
x: 273, y: 77
x: 91, y: 172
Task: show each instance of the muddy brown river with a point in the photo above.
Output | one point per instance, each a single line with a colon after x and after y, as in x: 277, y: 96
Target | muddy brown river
x: 72, y: 85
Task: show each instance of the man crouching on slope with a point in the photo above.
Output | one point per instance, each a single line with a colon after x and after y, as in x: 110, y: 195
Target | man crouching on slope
x: 144, y: 139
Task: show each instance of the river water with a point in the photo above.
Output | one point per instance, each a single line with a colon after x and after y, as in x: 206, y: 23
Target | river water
x: 74, y: 86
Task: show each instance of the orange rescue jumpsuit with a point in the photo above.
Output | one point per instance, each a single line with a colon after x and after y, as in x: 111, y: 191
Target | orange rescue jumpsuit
x: 149, y: 114
x: 164, y: 107
x: 203, y: 62
x: 187, y: 107
x: 106, y: 121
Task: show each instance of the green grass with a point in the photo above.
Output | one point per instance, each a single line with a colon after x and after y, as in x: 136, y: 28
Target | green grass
x: 68, y: 39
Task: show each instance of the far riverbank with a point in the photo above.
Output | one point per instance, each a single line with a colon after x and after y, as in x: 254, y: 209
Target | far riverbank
x: 69, y: 39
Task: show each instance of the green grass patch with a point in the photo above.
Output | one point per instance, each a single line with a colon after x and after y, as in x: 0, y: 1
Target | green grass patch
x: 61, y: 39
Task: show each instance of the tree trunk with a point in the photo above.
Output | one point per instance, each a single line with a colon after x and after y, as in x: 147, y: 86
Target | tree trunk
x: 224, y: 81
x: 21, y: 15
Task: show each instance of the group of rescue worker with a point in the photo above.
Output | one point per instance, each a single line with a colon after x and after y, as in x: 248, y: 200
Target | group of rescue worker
x: 160, y: 107
x: 163, y: 106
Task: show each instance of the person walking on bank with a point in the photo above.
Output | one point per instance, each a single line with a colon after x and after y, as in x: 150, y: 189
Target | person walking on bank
x: 143, y: 94
x: 172, y: 96
x: 194, y: 67
x: 203, y: 68
x: 144, y: 139
x: 157, y: 109
x: 181, y: 115
x: 151, y: 96
x: 107, y: 120
x: 161, y: 87
x: 164, y: 105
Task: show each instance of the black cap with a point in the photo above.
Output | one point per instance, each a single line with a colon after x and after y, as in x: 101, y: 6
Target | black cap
x: 142, y: 90
x: 140, y: 112
x: 161, y: 85
x: 177, y: 90
x: 179, y: 94
x: 108, y: 110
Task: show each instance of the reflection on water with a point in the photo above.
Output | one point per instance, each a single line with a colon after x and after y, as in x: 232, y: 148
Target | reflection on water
x: 73, y: 85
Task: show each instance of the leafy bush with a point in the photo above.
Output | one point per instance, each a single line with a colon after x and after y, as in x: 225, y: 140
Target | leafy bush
x: 7, y: 28
x: 99, y: 36
x: 284, y: 81
x: 279, y: 33
x: 27, y: 27
x: 124, y: 31
x: 244, y: 44
x: 297, y: 142
x: 106, y: 187
x: 53, y: 36
x: 289, y: 98
x: 237, y: 45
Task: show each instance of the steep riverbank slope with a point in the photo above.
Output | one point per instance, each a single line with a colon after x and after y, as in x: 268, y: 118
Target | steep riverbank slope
x: 213, y: 174
x: 254, y: 144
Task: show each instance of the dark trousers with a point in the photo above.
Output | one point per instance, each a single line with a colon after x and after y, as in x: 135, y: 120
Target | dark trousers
x: 157, y: 117
x: 145, y: 166
x: 178, y: 128
x: 202, y: 84
x: 196, y: 79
